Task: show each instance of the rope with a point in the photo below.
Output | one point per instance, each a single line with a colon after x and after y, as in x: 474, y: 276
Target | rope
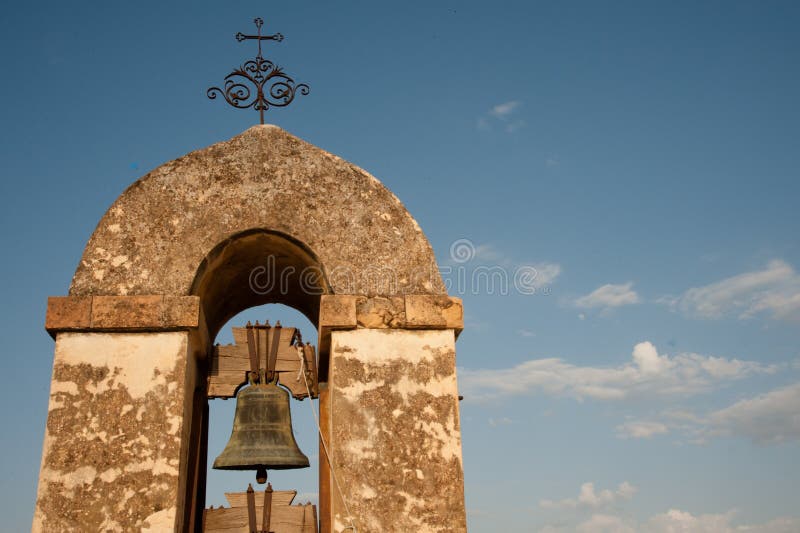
x: 302, y: 372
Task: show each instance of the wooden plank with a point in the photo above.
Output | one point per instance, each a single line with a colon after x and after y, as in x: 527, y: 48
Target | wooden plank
x: 310, y: 518
x: 279, y: 497
x: 230, y: 356
x: 240, y: 336
x: 310, y: 358
x: 231, y: 363
x: 325, y: 507
x: 291, y: 519
x: 285, y: 518
x: 227, y: 384
x: 198, y: 457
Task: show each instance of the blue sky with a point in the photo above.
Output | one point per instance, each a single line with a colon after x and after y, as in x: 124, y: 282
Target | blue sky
x: 641, y: 157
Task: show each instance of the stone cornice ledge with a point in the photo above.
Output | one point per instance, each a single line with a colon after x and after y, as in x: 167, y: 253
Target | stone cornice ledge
x: 122, y: 313
x: 410, y: 311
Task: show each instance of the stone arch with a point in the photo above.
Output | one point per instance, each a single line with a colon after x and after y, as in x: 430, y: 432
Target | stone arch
x: 256, y: 267
x: 157, y: 233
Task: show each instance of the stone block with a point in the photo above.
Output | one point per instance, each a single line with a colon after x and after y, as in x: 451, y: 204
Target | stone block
x: 66, y: 312
x: 338, y: 311
x: 180, y: 312
x: 380, y: 312
x: 128, y: 312
x: 425, y: 311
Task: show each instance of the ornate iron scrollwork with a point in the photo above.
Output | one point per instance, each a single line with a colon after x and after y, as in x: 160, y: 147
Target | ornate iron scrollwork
x: 258, y: 83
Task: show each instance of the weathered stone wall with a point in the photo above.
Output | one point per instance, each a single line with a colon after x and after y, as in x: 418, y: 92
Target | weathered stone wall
x: 112, y: 450
x: 394, y: 431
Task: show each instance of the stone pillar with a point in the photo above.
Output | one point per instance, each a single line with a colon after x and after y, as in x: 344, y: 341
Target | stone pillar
x: 117, y: 443
x: 392, y: 414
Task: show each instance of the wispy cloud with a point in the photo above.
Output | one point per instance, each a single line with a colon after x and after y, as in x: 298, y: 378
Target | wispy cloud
x: 502, y: 115
x: 608, y: 296
x: 769, y: 418
x: 477, y: 267
x: 605, y: 518
x: 505, y: 421
x: 588, y: 497
x: 676, y: 520
x: 504, y: 110
x: 641, y: 429
x: 552, y: 162
x: 775, y: 290
x: 648, y: 373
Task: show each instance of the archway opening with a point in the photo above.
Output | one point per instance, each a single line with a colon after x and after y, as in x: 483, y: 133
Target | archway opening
x: 253, y: 275
x: 221, y: 413
x: 257, y: 267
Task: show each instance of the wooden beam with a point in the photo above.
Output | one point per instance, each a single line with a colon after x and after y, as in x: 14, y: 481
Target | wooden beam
x: 230, y: 363
x: 284, y: 518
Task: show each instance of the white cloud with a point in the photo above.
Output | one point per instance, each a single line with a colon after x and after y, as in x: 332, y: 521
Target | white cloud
x: 505, y: 421
x: 603, y: 523
x: 647, y: 359
x: 504, y: 115
x: 504, y: 110
x: 484, y: 268
x: 526, y: 333
x: 648, y: 373
x: 588, y: 497
x: 609, y: 295
x: 769, y: 418
x: 677, y: 521
x: 641, y: 429
x: 674, y: 521
x: 488, y: 255
x: 605, y: 519
x: 546, y: 273
x: 778, y: 525
x: 774, y: 290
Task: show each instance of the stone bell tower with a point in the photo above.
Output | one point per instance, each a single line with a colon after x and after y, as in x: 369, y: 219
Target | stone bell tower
x: 187, y: 247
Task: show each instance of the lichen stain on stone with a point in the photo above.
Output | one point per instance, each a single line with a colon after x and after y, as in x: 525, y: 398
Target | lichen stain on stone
x: 84, y: 482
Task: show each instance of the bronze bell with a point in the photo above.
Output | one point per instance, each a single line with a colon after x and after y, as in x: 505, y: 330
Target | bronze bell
x: 262, y: 436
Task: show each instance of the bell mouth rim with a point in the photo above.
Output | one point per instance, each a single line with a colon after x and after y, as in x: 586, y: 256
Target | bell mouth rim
x: 246, y: 386
x: 267, y: 467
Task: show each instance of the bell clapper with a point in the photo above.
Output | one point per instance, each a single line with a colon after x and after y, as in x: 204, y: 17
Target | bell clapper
x: 261, y: 475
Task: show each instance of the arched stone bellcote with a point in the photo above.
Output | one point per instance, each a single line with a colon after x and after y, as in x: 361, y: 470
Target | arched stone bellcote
x: 187, y: 247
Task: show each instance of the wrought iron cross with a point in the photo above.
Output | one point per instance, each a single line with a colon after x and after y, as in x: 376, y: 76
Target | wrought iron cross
x: 280, y: 91
x: 259, y: 23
